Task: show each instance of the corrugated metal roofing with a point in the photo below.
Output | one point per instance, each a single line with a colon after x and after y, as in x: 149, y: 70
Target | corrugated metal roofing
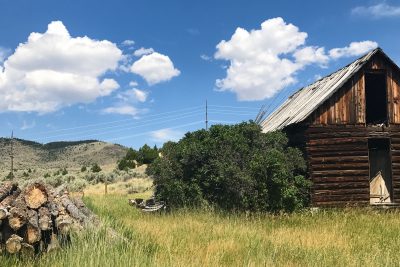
x: 302, y: 103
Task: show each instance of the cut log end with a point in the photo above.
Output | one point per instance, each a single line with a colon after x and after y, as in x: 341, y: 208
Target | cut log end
x: 13, y: 244
x: 33, y: 234
x: 35, y: 196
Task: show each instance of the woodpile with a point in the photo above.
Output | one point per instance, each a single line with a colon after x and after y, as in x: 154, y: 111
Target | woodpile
x: 38, y: 218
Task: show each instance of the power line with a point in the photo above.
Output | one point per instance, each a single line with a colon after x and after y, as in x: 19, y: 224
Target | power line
x: 123, y: 126
x: 123, y: 129
x: 117, y: 121
x: 149, y: 132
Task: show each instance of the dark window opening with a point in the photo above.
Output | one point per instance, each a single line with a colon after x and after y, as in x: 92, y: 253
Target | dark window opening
x: 375, y: 98
x: 380, y: 167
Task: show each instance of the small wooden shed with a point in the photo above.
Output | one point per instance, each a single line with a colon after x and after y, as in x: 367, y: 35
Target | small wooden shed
x: 348, y: 126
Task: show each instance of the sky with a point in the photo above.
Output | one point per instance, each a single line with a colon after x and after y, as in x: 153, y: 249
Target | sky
x: 136, y: 72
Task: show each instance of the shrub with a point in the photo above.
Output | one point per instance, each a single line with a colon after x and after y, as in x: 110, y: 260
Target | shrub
x: 125, y: 164
x: 96, y: 168
x: 83, y: 169
x: 233, y: 167
x: 146, y: 154
x: 77, y: 185
x: 64, y: 171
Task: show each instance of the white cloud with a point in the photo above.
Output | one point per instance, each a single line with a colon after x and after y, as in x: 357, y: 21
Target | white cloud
x: 133, y: 83
x: 166, y: 134
x: 133, y: 95
x: 205, y: 57
x: 122, y: 110
x: 26, y: 125
x: 266, y: 60
x: 380, y: 10
x: 128, y: 43
x: 52, y: 70
x: 143, y: 51
x: 4, y: 52
x: 310, y: 55
x: 354, y: 49
x: 155, y: 68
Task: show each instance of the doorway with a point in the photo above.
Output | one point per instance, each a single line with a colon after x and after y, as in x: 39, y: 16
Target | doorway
x: 380, y: 170
x: 376, y: 98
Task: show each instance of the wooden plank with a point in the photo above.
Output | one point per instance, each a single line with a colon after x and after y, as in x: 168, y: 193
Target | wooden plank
x: 340, y: 173
x: 341, y: 179
x: 341, y: 198
x: 333, y: 159
x: 342, y: 192
x: 341, y: 185
x: 328, y: 153
x: 338, y: 141
x: 341, y: 203
x: 341, y: 166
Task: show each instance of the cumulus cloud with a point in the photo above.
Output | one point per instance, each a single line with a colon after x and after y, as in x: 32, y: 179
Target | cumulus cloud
x: 155, y: 68
x: 354, y: 49
x: 143, y: 51
x: 122, y: 110
x: 266, y: 60
x: 128, y: 43
x: 52, y: 70
x: 380, y: 10
x: 4, y: 52
x: 133, y: 95
x: 166, y: 134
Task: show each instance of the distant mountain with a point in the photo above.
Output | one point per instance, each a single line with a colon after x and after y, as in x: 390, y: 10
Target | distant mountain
x: 30, y: 154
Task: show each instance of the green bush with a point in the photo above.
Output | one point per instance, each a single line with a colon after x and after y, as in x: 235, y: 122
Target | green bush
x: 146, y: 154
x: 96, y: 168
x: 83, y: 169
x: 64, y: 171
x: 233, y: 167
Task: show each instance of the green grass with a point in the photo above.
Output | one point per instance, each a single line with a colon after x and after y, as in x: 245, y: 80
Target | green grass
x: 351, y: 237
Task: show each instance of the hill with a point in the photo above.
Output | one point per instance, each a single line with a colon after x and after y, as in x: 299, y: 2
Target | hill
x: 63, y: 154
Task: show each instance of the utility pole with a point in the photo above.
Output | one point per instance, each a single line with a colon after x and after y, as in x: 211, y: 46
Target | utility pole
x: 206, y: 116
x: 12, y: 155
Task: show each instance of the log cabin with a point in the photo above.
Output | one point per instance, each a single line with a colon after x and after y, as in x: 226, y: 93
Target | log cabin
x: 348, y: 126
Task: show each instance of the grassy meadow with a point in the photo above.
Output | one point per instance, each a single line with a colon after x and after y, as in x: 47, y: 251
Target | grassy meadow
x: 351, y: 237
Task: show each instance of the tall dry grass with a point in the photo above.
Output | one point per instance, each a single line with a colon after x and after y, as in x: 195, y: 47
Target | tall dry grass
x: 351, y: 237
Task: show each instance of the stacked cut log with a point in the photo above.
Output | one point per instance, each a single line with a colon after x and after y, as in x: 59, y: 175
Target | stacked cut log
x: 38, y: 218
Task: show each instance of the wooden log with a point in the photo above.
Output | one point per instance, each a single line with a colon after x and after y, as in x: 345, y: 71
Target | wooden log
x: 33, y: 233
x: 18, y: 213
x: 13, y: 244
x: 45, y: 221
x: 72, y: 209
x: 63, y: 224
x: 6, y: 189
x: 35, y: 195
x: 54, y: 244
x: 6, y: 204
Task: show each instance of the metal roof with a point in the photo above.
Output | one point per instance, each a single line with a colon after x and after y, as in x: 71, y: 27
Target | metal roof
x: 302, y: 103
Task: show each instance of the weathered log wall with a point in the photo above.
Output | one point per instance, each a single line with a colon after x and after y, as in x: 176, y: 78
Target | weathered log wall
x: 339, y: 164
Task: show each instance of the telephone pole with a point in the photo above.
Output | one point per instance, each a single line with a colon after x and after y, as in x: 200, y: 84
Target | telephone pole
x: 206, y: 116
x: 12, y: 155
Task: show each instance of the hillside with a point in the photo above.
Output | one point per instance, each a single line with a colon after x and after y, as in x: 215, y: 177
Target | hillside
x: 71, y: 155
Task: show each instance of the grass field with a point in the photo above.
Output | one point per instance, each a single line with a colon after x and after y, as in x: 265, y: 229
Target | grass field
x: 352, y: 237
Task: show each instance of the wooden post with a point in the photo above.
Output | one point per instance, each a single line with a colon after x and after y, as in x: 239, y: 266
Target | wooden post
x: 206, y: 116
x: 105, y: 187
x: 12, y: 155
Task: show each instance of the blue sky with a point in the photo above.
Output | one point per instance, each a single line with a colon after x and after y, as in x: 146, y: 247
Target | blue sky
x: 135, y: 72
